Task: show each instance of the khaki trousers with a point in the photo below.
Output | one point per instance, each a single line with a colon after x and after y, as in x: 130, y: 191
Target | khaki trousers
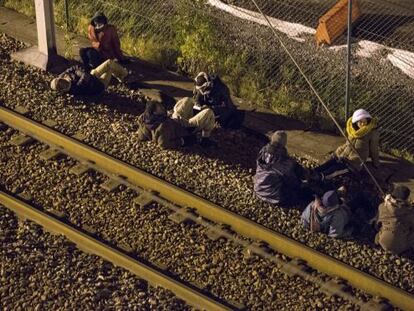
x: 203, y: 120
x: 107, y: 69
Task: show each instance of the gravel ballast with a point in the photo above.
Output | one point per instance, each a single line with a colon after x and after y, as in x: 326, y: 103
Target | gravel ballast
x: 223, y: 176
x: 40, y: 271
x: 219, y: 267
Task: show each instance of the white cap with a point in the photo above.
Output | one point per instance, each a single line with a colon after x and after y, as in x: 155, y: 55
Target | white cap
x: 359, y: 115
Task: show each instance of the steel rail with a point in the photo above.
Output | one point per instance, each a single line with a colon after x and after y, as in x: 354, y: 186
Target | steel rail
x: 92, y: 245
x: 213, y: 212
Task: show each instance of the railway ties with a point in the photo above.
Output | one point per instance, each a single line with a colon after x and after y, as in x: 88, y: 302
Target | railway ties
x: 219, y: 222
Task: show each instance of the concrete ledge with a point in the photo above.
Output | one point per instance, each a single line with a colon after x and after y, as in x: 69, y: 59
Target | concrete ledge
x: 32, y: 56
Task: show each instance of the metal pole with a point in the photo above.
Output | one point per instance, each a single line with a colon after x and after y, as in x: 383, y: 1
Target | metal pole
x: 45, y: 27
x: 349, y: 59
x: 67, y: 14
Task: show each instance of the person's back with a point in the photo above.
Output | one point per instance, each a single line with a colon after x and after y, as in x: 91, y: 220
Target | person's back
x: 277, y: 174
x: 396, y: 221
x: 155, y: 125
x: 328, y: 216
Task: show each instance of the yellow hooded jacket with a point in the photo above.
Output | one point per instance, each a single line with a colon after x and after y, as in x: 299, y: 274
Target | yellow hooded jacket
x: 365, y: 141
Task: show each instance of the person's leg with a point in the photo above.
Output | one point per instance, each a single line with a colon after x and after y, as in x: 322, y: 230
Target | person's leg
x: 183, y: 110
x: 111, y: 68
x: 94, y: 58
x: 205, y: 121
x: 83, y: 53
x: 333, y: 168
x: 105, y: 79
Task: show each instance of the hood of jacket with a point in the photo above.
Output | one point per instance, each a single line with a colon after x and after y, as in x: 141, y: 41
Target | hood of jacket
x: 99, y: 16
x: 397, y: 208
x: 271, y: 154
x: 354, y: 134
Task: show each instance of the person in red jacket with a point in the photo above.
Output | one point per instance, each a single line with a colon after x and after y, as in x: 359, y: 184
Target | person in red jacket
x: 105, y: 43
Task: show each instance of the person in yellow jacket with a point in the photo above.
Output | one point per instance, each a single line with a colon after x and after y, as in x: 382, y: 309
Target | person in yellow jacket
x: 363, y: 134
x: 396, y: 222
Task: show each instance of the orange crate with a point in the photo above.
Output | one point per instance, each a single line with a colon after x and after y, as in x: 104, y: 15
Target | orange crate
x: 333, y: 24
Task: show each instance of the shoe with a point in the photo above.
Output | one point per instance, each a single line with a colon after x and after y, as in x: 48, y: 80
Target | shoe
x: 207, y: 143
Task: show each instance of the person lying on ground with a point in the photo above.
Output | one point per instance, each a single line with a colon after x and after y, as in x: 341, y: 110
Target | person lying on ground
x: 105, y: 43
x: 363, y: 134
x: 329, y: 216
x: 396, y: 222
x: 176, y: 131
x: 76, y: 80
x: 278, y: 178
x: 210, y: 91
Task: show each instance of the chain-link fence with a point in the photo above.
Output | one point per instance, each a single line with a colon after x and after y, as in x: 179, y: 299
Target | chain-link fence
x: 233, y: 39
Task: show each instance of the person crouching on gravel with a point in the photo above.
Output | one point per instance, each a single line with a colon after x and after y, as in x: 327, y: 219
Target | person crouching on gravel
x: 105, y: 43
x: 363, y: 134
x: 329, y: 216
x: 76, y: 80
x: 175, y: 131
x: 210, y: 91
x: 278, y: 178
x: 396, y: 222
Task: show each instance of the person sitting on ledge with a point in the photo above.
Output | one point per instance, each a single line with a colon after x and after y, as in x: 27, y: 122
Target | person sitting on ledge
x: 105, y: 43
x: 396, y: 221
x: 76, y: 80
x: 210, y: 91
x: 363, y: 134
x: 278, y: 178
x: 329, y: 216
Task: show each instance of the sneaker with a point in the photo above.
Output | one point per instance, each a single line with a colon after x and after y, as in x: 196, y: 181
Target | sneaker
x: 207, y: 143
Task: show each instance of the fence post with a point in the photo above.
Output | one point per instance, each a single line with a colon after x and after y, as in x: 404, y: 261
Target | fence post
x: 67, y: 14
x: 44, y: 55
x: 349, y: 59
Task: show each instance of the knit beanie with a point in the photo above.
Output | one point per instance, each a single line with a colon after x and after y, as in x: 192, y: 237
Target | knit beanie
x: 330, y: 199
x: 401, y: 193
x: 359, y: 115
x: 278, y: 138
x: 60, y: 85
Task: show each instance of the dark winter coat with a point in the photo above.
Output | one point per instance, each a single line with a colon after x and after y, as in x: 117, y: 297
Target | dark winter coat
x: 396, y: 222
x: 166, y: 132
x: 277, y: 175
x: 332, y: 222
x: 82, y: 82
x: 219, y: 100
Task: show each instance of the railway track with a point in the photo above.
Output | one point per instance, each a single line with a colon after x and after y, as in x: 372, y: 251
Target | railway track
x: 118, y: 256
x: 188, y: 207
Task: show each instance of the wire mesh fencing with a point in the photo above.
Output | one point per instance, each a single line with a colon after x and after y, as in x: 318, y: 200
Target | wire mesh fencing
x: 231, y: 38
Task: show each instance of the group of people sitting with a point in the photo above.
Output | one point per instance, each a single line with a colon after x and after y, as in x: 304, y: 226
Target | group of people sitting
x: 279, y: 179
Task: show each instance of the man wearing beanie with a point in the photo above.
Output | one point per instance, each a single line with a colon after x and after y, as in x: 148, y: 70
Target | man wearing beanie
x: 278, y: 176
x: 329, y: 216
x: 396, y: 221
x: 363, y: 134
x: 211, y: 92
x: 105, y: 43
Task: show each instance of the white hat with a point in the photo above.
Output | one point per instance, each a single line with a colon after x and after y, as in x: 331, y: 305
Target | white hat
x: 359, y: 115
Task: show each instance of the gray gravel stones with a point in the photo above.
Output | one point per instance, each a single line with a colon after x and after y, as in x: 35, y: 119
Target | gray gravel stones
x: 40, y: 271
x: 218, y: 267
x: 223, y: 176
